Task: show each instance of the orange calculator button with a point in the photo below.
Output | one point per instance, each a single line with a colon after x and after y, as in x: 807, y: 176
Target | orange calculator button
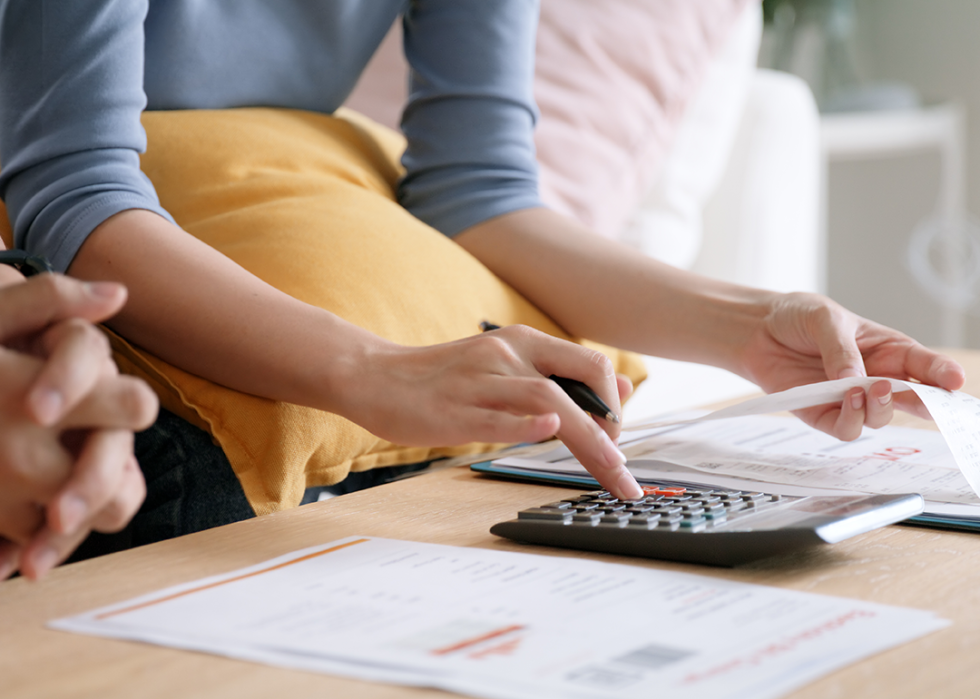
x: 661, y: 490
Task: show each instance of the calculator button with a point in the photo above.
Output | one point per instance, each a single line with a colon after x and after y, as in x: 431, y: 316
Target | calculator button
x: 615, y: 518
x: 639, y: 509
x: 662, y: 490
x: 586, y: 518
x: 609, y: 509
x: 709, y: 500
x: 584, y: 506
x: 668, y: 510
x: 546, y: 513
x: 559, y: 505
x: 645, y: 521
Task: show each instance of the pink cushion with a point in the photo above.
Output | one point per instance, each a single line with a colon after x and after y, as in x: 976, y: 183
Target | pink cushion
x: 612, y: 80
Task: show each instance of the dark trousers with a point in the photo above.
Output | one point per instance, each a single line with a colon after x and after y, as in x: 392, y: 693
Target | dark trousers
x: 191, y: 486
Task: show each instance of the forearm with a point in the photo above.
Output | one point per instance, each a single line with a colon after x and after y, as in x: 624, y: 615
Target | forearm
x: 604, y: 291
x: 196, y: 309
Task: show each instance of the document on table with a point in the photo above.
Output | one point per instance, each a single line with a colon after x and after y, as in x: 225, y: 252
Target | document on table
x: 956, y: 414
x: 784, y: 455
x: 511, y: 625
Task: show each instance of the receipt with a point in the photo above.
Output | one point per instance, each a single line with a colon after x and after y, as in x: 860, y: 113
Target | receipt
x: 957, y: 415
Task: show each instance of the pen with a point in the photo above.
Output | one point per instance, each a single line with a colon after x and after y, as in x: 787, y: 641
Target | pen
x: 583, y: 396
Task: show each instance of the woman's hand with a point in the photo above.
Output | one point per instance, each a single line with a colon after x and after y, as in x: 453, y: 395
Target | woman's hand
x: 492, y: 388
x: 806, y: 338
x: 66, y: 422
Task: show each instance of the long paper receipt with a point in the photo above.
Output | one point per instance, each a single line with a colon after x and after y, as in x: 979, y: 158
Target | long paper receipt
x: 957, y: 415
x: 512, y: 625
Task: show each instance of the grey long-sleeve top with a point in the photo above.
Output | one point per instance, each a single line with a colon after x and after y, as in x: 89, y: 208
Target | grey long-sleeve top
x: 76, y: 74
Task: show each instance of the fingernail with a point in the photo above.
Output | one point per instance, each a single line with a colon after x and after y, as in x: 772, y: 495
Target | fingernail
x: 102, y: 289
x: 73, y: 510
x: 857, y: 400
x: 885, y: 399
x: 628, y: 487
x: 45, y: 559
x: 47, y: 404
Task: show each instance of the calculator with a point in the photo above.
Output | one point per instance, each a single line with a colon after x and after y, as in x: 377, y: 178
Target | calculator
x: 699, y: 525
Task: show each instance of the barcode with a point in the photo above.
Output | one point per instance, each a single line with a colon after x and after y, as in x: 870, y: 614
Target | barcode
x: 605, y: 677
x: 654, y: 656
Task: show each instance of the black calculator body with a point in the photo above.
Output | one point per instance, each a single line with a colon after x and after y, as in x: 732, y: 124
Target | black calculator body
x: 721, y: 527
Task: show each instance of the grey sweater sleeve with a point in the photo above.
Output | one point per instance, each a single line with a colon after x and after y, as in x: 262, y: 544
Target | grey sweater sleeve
x: 72, y: 87
x: 71, y: 94
x: 471, y: 112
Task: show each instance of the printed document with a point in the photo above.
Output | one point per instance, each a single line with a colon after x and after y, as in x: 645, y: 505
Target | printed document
x: 497, y: 624
x: 785, y: 456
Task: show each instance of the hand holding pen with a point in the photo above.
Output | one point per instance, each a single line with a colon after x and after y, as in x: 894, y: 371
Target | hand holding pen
x: 584, y: 397
x: 614, y: 476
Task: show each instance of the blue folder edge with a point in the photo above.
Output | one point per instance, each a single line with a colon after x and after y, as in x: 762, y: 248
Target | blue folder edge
x: 549, y: 478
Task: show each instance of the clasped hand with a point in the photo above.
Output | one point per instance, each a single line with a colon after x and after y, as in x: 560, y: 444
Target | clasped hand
x: 66, y: 422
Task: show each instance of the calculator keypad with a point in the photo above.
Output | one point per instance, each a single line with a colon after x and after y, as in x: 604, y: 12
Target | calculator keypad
x: 672, y: 508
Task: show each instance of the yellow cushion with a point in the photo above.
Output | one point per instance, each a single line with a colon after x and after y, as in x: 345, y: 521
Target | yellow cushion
x: 305, y: 201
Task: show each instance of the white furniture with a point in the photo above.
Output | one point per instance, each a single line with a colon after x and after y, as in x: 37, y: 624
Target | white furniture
x: 760, y: 227
x: 881, y: 135
x: 749, y: 166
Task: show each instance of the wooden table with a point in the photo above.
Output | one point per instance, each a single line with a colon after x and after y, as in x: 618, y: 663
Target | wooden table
x: 898, y: 565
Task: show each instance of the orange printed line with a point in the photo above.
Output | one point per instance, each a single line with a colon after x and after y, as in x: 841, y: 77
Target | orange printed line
x: 479, y: 639
x: 142, y: 605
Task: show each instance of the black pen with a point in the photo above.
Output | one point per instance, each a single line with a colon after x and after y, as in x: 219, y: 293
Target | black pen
x: 583, y: 396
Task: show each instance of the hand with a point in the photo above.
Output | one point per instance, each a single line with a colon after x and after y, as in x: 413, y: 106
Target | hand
x: 492, y: 387
x: 806, y: 338
x: 66, y: 422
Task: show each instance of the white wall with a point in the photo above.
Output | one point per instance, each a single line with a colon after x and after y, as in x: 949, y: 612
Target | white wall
x: 935, y: 46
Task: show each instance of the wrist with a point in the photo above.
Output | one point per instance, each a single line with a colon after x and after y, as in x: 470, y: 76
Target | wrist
x: 715, y: 324
x: 352, y: 370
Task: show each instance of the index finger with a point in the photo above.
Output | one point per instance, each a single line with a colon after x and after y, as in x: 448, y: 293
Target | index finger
x: 78, y: 357
x: 48, y: 298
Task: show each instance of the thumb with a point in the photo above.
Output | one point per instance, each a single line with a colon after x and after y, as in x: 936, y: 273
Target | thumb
x: 838, y: 348
x: 48, y: 298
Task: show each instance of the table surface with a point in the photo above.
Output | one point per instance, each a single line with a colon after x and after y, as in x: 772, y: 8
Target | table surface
x: 908, y: 566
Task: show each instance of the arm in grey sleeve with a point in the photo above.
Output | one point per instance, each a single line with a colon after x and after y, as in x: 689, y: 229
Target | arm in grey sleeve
x: 71, y: 94
x: 471, y: 112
